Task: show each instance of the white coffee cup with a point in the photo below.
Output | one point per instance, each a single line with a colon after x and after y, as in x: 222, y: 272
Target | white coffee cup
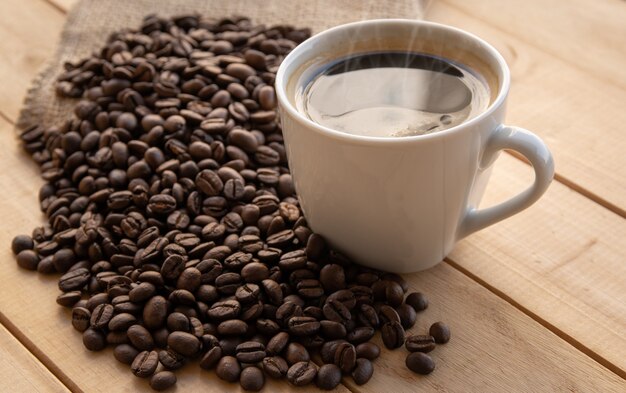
x: 400, y: 204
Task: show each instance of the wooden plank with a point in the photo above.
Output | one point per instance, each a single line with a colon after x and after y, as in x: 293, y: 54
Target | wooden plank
x: 30, y: 30
x: 588, y: 34
x: 494, y: 347
x: 579, y: 112
x: 562, y: 260
x: 21, y: 371
x: 27, y: 299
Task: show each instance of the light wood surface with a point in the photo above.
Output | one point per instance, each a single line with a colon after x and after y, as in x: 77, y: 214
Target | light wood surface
x: 568, y: 80
x: 21, y: 371
x: 536, y: 303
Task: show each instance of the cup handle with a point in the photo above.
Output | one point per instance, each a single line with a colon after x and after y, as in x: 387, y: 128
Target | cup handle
x: 536, y: 151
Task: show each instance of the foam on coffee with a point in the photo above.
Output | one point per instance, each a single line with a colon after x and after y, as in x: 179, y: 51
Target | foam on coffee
x: 392, y: 94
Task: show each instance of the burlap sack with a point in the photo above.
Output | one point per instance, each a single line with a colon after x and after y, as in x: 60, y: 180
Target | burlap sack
x: 90, y: 22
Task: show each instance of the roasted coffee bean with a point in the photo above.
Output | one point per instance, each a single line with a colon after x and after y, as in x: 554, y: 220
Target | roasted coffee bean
x: 360, y: 334
x: 209, y: 182
x: 184, y: 343
x: 101, y: 316
x: 277, y: 343
x: 232, y: 327
x: 420, y: 343
x: 228, y: 369
x: 393, y: 293
x: 125, y: 353
x: 74, y: 279
x: 275, y: 366
x: 388, y: 314
x: 21, y: 243
x: 252, y: 379
x: 345, y: 357
x: 145, y: 364
x: 328, y: 377
x: 295, y: 353
x: 28, y: 259
x: 363, y: 371
x: 392, y: 334
x: 344, y: 296
x: 302, y: 373
x: 162, y: 380
x: 367, y: 350
x: 250, y: 352
x: 94, y: 339
x: 173, y: 266
x: 81, y: 317
x: 140, y: 337
x: 407, y: 315
x: 303, y: 326
x: 211, y: 358
x: 227, y: 309
x: 121, y: 322
x: 171, y: 359
x: 332, y: 330
x: 155, y: 312
x: 417, y: 300
x: 420, y: 363
x: 440, y: 332
x: 142, y: 292
x: 272, y: 291
x: 327, y: 350
x: 367, y: 316
x: 68, y: 299
x: 336, y: 311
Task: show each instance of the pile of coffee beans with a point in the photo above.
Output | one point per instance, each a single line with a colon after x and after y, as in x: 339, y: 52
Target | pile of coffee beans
x: 173, y: 220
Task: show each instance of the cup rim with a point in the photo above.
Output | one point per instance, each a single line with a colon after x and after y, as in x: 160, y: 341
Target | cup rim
x: 282, y: 80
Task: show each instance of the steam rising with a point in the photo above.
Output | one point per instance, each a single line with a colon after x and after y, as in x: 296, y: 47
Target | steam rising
x: 393, y: 94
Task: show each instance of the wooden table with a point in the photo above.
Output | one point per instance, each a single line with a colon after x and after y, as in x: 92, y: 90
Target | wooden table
x: 536, y: 303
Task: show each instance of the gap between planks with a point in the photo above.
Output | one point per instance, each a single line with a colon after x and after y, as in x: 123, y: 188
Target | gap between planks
x: 38, y: 354
x: 554, y: 329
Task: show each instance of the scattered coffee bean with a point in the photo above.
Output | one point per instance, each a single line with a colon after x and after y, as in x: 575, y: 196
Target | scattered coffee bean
x: 363, y: 371
x: 328, y: 377
x: 252, y: 379
x: 145, y: 364
x: 275, y: 366
x: 417, y: 300
x: 420, y: 363
x: 21, y: 243
x: 302, y: 373
x: 440, y: 331
x: 419, y: 343
x: 228, y: 369
x: 393, y: 335
x: 367, y: 350
x: 162, y: 380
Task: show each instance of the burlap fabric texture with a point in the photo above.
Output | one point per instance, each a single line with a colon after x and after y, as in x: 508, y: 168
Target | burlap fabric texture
x: 90, y: 23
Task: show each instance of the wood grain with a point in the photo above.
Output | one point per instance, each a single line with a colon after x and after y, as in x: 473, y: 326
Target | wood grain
x: 30, y: 30
x: 21, y: 371
x: 578, y: 111
x: 562, y: 259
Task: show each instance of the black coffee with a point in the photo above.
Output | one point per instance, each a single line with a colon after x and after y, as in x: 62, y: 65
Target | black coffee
x: 393, y: 94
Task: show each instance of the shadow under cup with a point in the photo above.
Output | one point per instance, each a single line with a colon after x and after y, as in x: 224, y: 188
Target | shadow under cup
x: 390, y: 203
